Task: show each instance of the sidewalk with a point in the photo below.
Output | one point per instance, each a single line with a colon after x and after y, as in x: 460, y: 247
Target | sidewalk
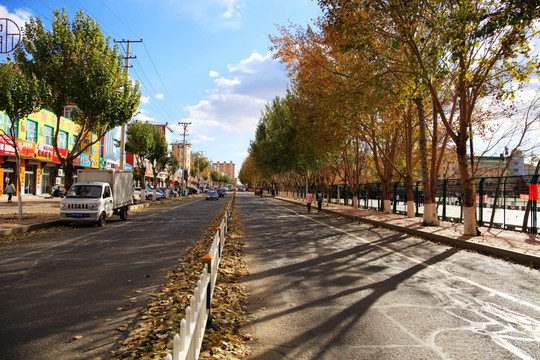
x: 39, y: 212
x: 517, y: 246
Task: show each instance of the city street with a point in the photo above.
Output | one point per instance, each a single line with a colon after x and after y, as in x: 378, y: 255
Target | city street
x: 326, y: 288
x: 69, y: 293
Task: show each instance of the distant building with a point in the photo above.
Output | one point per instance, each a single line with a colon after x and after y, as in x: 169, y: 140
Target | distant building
x: 182, y: 151
x: 492, y: 166
x: 227, y: 168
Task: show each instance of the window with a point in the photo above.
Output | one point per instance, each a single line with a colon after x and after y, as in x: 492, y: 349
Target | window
x: 74, y: 140
x: 31, y: 131
x: 107, y: 192
x: 48, y: 135
x: 8, y: 126
x: 62, y: 140
x: 69, y: 110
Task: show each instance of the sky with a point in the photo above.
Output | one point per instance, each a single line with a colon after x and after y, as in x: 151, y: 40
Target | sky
x: 203, y: 62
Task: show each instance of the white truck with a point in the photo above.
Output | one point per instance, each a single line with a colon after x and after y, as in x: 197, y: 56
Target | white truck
x: 97, y: 195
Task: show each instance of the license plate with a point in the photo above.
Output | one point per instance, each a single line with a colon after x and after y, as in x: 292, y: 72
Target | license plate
x: 76, y: 215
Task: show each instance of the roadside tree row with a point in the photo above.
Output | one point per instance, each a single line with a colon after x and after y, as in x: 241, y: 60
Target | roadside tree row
x: 71, y: 64
x: 395, y: 89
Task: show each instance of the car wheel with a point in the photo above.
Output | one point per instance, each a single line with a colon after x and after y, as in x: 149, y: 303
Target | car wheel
x: 149, y: 197
x: 101, y: 220
x: 123, y: 214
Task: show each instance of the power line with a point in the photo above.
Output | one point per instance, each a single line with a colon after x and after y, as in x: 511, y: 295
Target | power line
x: 119, y: 19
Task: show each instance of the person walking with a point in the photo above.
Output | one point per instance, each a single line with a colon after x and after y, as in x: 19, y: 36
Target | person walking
x: 309, y: 200
x: 10, y: 190
x: 319, y: 200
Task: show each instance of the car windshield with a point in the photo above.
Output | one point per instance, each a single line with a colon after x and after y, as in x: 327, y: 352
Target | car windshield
x: 84, y: 191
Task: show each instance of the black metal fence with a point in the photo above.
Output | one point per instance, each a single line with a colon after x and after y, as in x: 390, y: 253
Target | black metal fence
x: 501, y: 202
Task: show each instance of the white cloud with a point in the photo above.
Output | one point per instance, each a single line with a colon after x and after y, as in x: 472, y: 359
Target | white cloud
x: 142, y: 117
x: 242, y: 154
x: 20, y: 17
x: 145, y: 99
x: 218, y: 14
x: 213, y: 73
x: 235, y: 104
x: 159, y: 96
x: 200, y: 138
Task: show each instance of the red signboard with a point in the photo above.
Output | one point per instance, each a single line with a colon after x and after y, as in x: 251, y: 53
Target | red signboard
x: 47, y: 153
x: 26, y: 148
x: 533, y: 192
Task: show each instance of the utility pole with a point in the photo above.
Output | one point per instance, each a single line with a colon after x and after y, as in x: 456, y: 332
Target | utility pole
x: 123, y: 135
x: 185, y: 125
x: 199, y: 171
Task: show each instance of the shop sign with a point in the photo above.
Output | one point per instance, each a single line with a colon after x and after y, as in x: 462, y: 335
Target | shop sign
x: 26, y: 148
x: 89, y: 161
x: 47, y: 153
x: 162, y: 175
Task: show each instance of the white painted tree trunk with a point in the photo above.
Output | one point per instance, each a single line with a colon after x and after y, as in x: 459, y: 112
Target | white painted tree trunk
x: 469, y: 221
x: 387, y: 207
x: 410, y: 209
x: 430, y: 215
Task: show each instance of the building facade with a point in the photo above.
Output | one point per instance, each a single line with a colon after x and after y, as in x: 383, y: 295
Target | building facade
x: 40, y: 167
x: 227, y: 168
x: 182, y: 152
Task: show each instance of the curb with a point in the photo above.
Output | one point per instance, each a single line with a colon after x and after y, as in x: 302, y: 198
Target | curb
x: 505, y: 254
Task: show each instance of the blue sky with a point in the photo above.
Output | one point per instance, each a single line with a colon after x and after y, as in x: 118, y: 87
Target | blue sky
x: 201, y: 61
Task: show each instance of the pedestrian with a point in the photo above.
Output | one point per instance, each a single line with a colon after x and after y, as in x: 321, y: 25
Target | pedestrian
x: 319, y: 200
x: 309, y: 200
x: 10, y: 190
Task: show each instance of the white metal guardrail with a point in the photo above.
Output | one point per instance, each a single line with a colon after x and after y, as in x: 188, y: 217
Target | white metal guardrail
x: 187, y: 344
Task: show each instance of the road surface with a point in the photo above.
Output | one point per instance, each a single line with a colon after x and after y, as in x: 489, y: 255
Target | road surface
x: 65, y: 293
x: 327, y: 288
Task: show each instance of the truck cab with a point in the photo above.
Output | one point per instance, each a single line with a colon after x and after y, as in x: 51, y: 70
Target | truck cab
x: 88, y: 202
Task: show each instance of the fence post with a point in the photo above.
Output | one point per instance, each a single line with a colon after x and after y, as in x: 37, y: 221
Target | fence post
x: 481, y: 202
x: 379, y: 196
x: 394, y: 205
x: 207, y: 259
x: 534, y: 229
x: 444, y: 188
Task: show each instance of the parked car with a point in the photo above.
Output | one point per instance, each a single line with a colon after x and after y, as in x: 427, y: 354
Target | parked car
x: 136, y: 194
x: 168, y: 191
x: 150, y: 194
x: 221, y: 192
x: 212, y: 195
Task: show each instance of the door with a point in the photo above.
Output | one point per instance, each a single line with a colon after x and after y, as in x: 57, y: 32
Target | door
x: 108, y: 200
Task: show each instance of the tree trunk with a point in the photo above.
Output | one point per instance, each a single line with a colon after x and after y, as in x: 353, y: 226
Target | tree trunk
x: 18, y: 183
x: 430, y: 210
x: 386, y: 191
x: 469, y: 196
x: 69, y: 170
x: 409, y: 186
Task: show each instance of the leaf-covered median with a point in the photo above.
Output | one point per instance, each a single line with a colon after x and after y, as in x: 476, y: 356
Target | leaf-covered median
x: 151, y: 337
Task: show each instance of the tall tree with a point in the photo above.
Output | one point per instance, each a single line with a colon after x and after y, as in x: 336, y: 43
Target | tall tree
x: 80, y: 68
x: 19, y: 97
x: 139, y: 139
x: 158, y: 155
x: 472, y: 47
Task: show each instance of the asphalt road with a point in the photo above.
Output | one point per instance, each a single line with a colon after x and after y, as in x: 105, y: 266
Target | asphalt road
x: 327, y: 288
x: 65, y: 293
